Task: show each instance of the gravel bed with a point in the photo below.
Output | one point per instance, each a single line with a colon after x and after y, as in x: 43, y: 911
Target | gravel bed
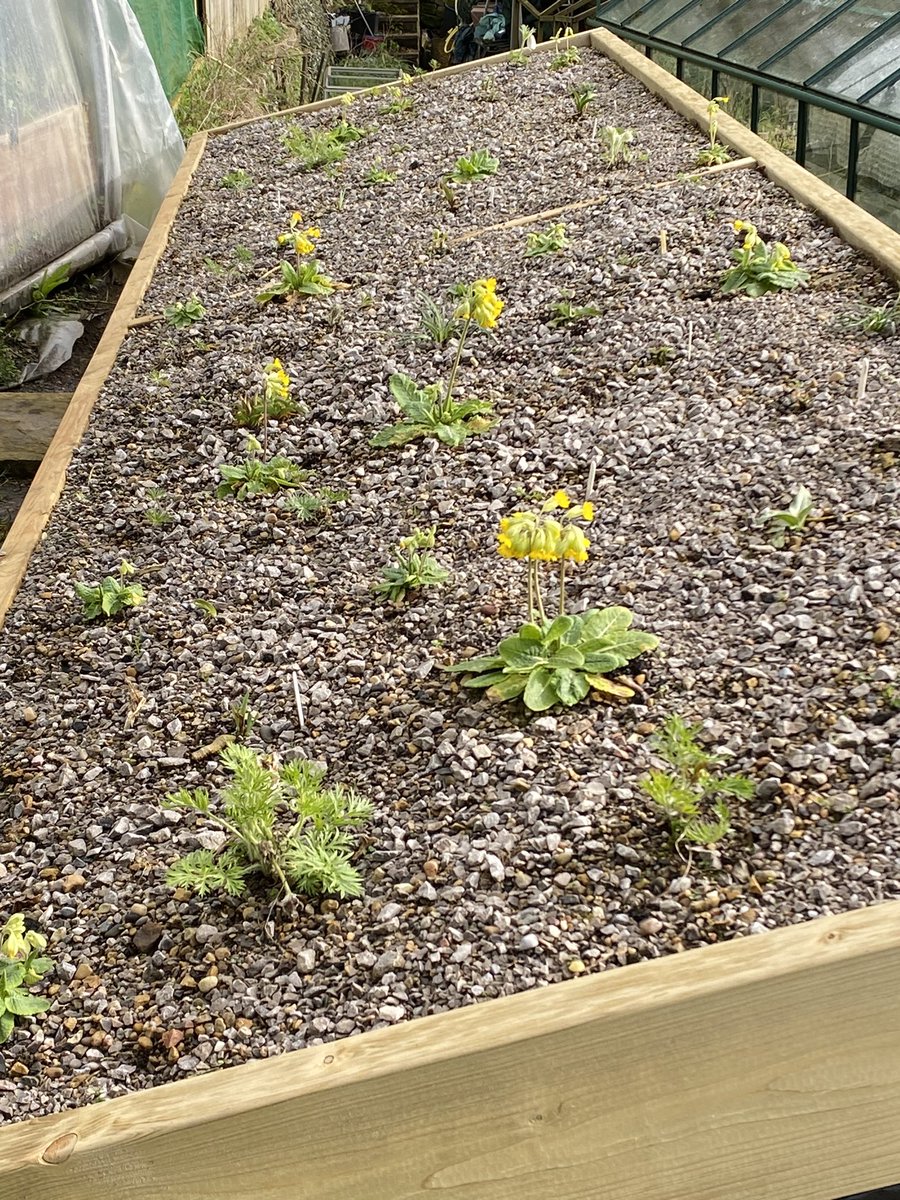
x: 506, y: 852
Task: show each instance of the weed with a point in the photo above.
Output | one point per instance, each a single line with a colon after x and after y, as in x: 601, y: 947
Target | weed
x: 411, y: 567
x: 399, y: 103
x: 689, y: 795
x: 160, y: 379
x: 184, y: 313
x: 243, y: 717
x: 882, y: 319
x: 43, y: 289
x: 488, y: 90
x: 316, y: 148
x: 437, y: 324
x: 550, y: 241
x: 310, y: 856
x: 517, y: 58
x: 305, y: 506
x: 564, y: 312
x: 440, y: 242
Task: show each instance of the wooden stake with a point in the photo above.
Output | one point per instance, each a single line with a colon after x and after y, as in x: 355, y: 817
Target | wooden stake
x: 663, y: 242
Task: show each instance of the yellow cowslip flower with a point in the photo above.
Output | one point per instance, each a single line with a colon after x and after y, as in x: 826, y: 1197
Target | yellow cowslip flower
x: 587, y: 511
x: 573, y: 545
x: 481, y: 304
x: 561, y: 499
x: 781, y: 257
x: 277, y: 380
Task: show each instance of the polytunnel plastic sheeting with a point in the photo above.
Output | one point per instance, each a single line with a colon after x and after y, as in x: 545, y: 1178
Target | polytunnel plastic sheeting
x: 86, y: 134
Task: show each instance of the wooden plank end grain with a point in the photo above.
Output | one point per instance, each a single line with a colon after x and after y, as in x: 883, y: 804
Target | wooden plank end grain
x: 764, y: 1068
x: 50, y: 478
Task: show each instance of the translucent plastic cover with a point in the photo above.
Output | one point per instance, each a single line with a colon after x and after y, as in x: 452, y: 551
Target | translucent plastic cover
x: 86, y: 133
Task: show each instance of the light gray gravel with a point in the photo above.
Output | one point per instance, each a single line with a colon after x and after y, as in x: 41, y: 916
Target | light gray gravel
x: 506, y: 853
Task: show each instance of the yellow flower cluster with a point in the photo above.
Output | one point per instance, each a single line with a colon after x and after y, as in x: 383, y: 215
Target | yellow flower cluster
x: 481, y: 304
x: 541, y: 537
x: 303, y: 241
x: 752, y: 238
x: 277, y: 380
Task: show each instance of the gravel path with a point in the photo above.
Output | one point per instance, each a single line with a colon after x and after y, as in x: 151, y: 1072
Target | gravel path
x: 506, y: 852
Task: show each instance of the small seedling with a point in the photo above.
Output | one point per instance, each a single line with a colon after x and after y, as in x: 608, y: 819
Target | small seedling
x: 437, y: 324
x: 550, y: 241
x: 440, y: 242
x: 689, y: 795
x: 310, y: 856
x: 566, y: 313
x: 243, y: 255
x: 21, y: 967
x: 660, y: 355
x: 411, y: 567
x: 183, y: 313
x: 565, y: 58
x: 206, y: 607
x: 791, y: 521
x: 160, y: 379
x: 882, y: 319
x: 715, y: 152
x: 243, y: 717
x: 477, y: 165
x: 111, y: 596
x: 488, y: 90
x: 237, y: 180
x: 46, y: 285
x: 582, y: 95
x: 318, y: 148
x: 305, y: 506
x: 517, y: 58
x: 378, y: 175
x: 617, y: 145
x: 761, y: 268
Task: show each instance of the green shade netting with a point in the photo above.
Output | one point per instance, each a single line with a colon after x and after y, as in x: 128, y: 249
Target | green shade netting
x: 174, y: 36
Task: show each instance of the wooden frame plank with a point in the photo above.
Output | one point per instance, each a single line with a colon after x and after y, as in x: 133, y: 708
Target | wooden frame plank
x: 857, y: 227
x: 761, y: 1069
x: 50, y: 478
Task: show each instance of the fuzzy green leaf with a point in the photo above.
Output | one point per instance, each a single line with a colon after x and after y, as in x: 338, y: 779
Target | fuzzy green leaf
x: 6, y: 1024
x: 487, y: 662
x: 508, y: 688
x: 23, y: 1004
x: 521, y: 654
x: 571, y: 686
x: 540, y: 692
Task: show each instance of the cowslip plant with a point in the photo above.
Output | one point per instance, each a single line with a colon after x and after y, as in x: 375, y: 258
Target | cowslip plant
x: 302, y: 277
x: 319, y: 147
x: 236, y: 180
x: 549, y: 241
x: 582, y: 95
x: 517, y: 58
x: 476, y: 165
x: 398, y: 103
x: 882, y: 319
x: 617, y: 145
x: 21, y: 967
x: 715, y: 152
x: 431, y: 411
x: 183, y: 313
x: 411, y: 567
x: 111, y: 596
x: 761, y: 268
x: 556, y: 660
x: 782, y: 523
x: 566, y: 55
x: 279, y: 822
x: 689, y: 795
x: 259, y: 476
x: 274, y: 402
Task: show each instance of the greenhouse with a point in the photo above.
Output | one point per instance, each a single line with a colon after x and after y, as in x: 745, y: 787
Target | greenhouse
x: 818, y: 78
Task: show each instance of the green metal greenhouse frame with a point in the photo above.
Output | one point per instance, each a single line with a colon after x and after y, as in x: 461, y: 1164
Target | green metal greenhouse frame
x: 852, y: 46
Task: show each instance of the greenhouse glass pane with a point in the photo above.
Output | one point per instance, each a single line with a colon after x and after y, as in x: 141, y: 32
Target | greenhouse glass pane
x: 831, y: 40
x: 739, y: 94
x: 828, y: 147
x: 641, y: 17
x: 878, y: 190
x: 778, y: 121
x: 699, y: 78
x: 864, y: 71
x: 783, y: 28
x: 681, y: 27
x: 887, y: 100
x: 668, y: 62
x: 732, y: 26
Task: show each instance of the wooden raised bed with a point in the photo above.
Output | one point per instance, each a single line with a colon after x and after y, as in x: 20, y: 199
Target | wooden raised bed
x: 764, y: 1068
